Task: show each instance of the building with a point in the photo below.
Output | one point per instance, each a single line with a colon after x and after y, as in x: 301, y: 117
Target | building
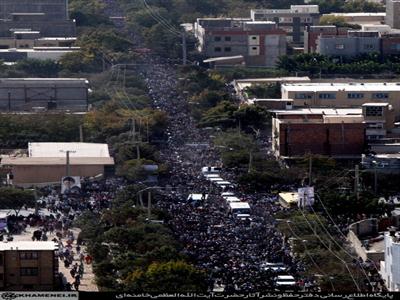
x: 47, y: 162
x: 379, y: 119
x: 53, y: 94
x: 39, y: 29
x: 390, y: 268
x: 293, y: 20
x: 240, y: 85
x: 28, y: 266
x: 35, y: 17
x: 349, y: 94
x: 313, y: 33
x: 338, y: 133
x: 260, y: 43
x: 288, y: 199
x: 382, y: 163
x: 361, y: 18
x: 392, y: 13
x: 354, y: 43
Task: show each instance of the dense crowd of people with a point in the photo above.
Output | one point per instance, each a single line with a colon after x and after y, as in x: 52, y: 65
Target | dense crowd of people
x: 232, y: 250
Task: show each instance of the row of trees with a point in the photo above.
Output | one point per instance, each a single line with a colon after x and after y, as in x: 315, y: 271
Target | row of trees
x: 134, y: 255
x: 365, y: 64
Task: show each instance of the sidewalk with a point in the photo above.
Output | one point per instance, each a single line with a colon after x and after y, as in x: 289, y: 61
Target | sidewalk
x: 88, y: 279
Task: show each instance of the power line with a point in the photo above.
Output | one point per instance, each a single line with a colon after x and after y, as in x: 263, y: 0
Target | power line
x: 310, y: 256
x: 330, y: 250
x: 340, y: 246
x: 161, y: 21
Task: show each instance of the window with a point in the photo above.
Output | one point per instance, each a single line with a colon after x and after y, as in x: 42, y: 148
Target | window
x: 254, y: 48
x: 339, y: 46
x: 28, y: 255
x: 254, y: 38
x: 368, y: 47
x: 228, y: 39
x: 302, y: 96
x: 217, y: 39
x: 285, y: 20
x: 217, y: 49
x: 227, y: 49
x: 327, y: 96
x: 380, y: 95
x: 355, y: 95
x: 395, y: 47
x: 29, y: 271
x: 374, y: 111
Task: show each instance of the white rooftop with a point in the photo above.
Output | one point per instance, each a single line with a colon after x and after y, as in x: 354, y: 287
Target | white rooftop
x: 28, y: 246
x: 239, y: 205
x: 335, y: 87
x: 320, y: 110
x: 360, y: 14
x: 59, y: 150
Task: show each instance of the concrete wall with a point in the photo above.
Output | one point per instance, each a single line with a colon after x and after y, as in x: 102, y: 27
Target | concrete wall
x: 392, y: 13
x: 347, y: 46
x: 52, y: 173
x: 24, y: 96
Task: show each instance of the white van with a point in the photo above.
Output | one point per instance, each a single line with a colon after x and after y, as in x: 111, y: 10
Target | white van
x: 210, y: 170
x: 285, y: 282
x: 239, y: 208
x: 231, y: 199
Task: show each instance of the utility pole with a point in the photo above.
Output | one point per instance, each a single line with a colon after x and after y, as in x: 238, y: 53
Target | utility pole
x: 149, y: 205
x: 68, y: 169
x: 9, y: 101
x: 184, y: 49
x: 250, y: 161
x: 81, y: 133
x: 375, y: 179
x: 36, y: 204
x: 310, y: 171
x: 356, y: 182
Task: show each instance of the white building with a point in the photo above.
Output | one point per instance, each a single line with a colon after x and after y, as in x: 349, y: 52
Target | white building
x: 390, y: 268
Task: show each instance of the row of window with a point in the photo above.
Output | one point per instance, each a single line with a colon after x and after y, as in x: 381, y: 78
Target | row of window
x: 29, y: 271
x: 219, y: 49
x: 219, y: 39
x: 349, y: 96
x: 286, y: 19
x: 365, y: 46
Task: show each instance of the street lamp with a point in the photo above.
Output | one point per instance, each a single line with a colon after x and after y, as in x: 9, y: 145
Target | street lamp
x: 67, y: 163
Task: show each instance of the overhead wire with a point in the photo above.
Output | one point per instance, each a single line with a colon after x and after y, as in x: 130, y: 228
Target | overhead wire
x: 310, y: 256
x: 330, y: 250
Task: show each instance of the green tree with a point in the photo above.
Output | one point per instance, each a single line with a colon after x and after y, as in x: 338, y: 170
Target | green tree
x: 16, y: 199
x: 170, y: 277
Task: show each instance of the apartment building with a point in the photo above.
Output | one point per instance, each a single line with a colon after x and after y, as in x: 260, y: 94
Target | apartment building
x: 332, y: 132
x: 260, y: 43
x: 344, y: 95
x: 313, y: 33
x: 354, y: 43
x: 392, y: 13
x: 390, y: 268
x: 35, y: 25
x: 294, y: 20
x: 28, y: 266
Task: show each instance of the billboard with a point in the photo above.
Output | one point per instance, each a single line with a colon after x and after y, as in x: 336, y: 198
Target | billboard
x: 70, y: 184
x: 306, y: 196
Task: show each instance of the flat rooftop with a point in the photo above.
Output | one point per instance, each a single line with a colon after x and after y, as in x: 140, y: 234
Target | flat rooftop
x: 52, y: 161
x: 336, y: 87
x: 77, y: 150
x: 319, y: 111
x: 28, y: 246
x: 359, y: 14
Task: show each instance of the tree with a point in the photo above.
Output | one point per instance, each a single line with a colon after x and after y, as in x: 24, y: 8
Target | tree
x: 170, y: 277
x: 264, y: 91
x: 338, y: 21
x: 37, y: 67
x: 16, y: 199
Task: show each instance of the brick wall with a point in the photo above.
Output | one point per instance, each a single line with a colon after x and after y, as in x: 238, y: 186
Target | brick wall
x: 324, y: 139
